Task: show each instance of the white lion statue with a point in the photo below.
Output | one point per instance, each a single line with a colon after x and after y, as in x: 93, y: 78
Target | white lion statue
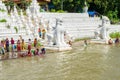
x: 102, y: 31
x: 55, y: 35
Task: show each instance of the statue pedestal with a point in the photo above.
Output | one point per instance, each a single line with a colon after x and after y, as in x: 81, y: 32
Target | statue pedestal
x: 57, y: 39
x: 61, y: 48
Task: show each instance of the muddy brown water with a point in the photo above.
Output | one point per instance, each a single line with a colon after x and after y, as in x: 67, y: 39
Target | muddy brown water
x: 93, y: 62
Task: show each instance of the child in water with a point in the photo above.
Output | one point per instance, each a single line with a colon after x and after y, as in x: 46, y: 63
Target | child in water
x: 85, y: 43
x: 110, y: 41
x: 70, y: 42
x: 36, y: 52
x: 117, y: 40
x: 43, y: 50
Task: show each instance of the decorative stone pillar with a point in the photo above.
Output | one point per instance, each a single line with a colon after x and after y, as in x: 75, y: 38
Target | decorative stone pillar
x: 85, y: 8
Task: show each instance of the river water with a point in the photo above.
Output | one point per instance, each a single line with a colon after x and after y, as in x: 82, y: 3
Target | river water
x: 94, y: 62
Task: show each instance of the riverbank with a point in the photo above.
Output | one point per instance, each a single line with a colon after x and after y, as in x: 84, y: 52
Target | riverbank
x: 77, y: 43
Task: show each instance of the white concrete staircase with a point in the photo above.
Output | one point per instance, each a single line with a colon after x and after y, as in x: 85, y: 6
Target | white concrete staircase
x: 78, y: 25
x: 11, y: 32
x: 6, y: 32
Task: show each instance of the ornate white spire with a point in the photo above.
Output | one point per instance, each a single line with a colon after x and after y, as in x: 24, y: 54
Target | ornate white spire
x: 2, y: 6
x: 34, y: 7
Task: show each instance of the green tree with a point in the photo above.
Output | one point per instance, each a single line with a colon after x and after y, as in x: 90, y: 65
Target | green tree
x: 24, y: 4
x: 10, y: 5
x: 109, y: 8
x: 69, y: 5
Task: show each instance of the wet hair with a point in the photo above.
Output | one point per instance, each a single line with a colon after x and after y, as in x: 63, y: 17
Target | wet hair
x: 29, y: 39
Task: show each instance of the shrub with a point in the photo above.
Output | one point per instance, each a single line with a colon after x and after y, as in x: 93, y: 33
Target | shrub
x: 8, y: 26
x: 42, y: 10
x: 53, y: 10
x: 2, y: 10
x: 113, y: 16
x: 3, y: 20
x: 16, y: 29
x: 114, y: 34
x: 60, y: 11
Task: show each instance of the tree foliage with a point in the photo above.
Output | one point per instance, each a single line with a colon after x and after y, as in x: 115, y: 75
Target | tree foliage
x: 104, y: 7
x: 68, y: 5
x: 10, y: 5
x: 23, y: 4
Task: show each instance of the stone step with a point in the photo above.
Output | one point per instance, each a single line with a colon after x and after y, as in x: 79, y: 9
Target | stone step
x: 80, y: 31
x: 10, y: 31
x: 82, y: 22
x: 80, y: 19
x: 82, y: 35
x: 12, y: 34
x: 80, y: 26
x: 16, y: 37
x: 49, y: 15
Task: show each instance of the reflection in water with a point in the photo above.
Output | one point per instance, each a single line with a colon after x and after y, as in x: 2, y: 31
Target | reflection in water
x: 94, y: 62
x: 0, y: 68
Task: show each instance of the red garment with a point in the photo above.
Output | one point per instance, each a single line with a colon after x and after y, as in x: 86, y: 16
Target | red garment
x: 18, y: 47
x: 12, y: 41
x: 37, y: 52
x: 39, y: 30
x: 35, y: 43
x: 29, y: 53
x: 29, y: 47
